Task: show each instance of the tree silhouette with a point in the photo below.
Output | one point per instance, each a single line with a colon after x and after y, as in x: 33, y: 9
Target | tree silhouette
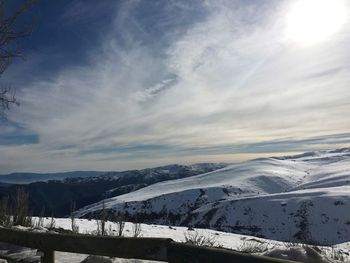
x: 11, y: 31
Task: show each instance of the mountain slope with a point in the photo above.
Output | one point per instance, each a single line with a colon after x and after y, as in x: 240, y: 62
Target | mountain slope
x: 55, y: 196
x: 304, y: 197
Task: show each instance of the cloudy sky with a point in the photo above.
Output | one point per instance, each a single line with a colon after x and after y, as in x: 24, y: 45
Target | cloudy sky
x: 113, y: 85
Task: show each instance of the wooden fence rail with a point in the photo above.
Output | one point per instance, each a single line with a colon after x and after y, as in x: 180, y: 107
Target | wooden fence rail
x: 158, y: 249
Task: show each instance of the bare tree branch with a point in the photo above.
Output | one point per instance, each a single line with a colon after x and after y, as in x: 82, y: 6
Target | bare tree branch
x: 7, y: 97
x: 10, y: 34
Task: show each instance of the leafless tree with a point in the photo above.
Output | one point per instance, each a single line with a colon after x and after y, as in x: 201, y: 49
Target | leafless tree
x: 119, y: 220
x: 21, y: 214
x: 5, y: 217
x: 39, y: 222
x: 52, y: 224
x: 10, y: 34
x: 101, y: 221
x: 75, y: 227
x: 136, y: 229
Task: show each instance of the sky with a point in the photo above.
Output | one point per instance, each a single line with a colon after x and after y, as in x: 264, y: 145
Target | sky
x: 115, y: 85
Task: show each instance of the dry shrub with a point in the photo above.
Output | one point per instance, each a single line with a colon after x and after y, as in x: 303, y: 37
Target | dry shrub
x: 200, y: 239
x: 252, y: 247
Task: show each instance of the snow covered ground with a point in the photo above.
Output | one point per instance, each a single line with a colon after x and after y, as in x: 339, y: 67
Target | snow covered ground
x: 226, y: 240
x: 304, y: 197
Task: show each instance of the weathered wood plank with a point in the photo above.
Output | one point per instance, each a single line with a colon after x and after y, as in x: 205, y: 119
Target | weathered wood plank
x: 159, y: 249
x: 123, y: 247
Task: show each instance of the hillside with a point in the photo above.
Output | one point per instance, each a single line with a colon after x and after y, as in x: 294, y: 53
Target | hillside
x: 55, y: 196
x: 304, y: 197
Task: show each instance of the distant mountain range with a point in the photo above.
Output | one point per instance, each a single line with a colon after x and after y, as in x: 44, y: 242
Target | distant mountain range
x: 53, y: 193
x: 27, y: 178
x: 295, y: 198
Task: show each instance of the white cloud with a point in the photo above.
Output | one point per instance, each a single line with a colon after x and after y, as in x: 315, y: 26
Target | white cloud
x: 228, y: 79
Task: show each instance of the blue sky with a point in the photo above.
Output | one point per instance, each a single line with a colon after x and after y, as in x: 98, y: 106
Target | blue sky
x: 113, y: 85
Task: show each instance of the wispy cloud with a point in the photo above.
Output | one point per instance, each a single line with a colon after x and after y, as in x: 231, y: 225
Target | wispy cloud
x: 184, y: 81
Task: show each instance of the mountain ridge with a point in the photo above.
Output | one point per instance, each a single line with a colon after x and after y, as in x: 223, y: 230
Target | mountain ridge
x: 55, y: 196
x: 30, y: 177
x: 303, y: 195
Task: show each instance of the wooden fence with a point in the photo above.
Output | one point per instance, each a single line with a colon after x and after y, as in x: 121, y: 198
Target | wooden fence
x: 158, y: 249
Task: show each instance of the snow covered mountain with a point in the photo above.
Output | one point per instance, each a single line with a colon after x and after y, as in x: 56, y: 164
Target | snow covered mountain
x: 55, y: 196
x: 304, y: 197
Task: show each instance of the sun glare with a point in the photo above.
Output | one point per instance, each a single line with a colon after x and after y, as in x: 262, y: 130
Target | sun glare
x: 313, y: 21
